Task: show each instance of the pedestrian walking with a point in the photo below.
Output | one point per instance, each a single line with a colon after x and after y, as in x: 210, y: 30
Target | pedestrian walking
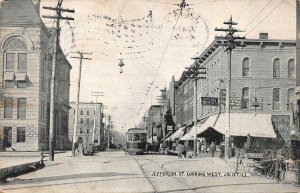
x: 213, y: 149
x: 180, y: 149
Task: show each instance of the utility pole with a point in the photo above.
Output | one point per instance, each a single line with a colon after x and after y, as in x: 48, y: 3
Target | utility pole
x: 196, y: 72
x: 96, y: 94
x: 81, y: 57
x: 108, y: 128
x: 230, y: 43
x: 162, y: 100
x: 57, y: 17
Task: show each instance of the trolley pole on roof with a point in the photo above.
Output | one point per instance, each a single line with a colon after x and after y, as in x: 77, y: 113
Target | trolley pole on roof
x: 57, y: 18
x: 230, y: 43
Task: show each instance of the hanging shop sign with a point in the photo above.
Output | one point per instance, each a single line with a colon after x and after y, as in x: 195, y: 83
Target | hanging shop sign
x: 209, y: 101
x: 256, y: 103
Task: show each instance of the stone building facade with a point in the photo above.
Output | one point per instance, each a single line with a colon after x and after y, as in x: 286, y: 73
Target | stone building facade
x: 26, y: 63
x: 85, y: 124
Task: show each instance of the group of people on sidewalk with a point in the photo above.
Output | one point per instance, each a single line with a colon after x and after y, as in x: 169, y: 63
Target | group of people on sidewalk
x: 183, y: 149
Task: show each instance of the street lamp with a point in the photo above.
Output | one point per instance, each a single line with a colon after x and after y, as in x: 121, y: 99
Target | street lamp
x: 121, y: 64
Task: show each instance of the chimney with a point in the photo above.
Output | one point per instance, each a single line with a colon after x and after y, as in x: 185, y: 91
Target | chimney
x: 263, y: 36
x: 37, y: 5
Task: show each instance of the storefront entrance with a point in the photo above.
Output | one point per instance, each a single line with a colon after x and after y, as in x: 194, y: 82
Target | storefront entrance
x: 7, y: 137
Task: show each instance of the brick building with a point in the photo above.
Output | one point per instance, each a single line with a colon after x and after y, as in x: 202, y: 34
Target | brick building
x: 85, y: 124
x: 26, y: 63
x: 262, y: 85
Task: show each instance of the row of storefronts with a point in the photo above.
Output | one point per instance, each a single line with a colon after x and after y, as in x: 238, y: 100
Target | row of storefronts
x: 261, y: 100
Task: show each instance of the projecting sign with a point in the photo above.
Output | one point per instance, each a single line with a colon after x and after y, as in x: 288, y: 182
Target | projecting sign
x: 209, y: 101
x: 256, y: 103
x: 169, y: 128
x: 235, y: 103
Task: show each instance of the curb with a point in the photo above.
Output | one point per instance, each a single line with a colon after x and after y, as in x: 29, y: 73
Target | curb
x: 17, y: 170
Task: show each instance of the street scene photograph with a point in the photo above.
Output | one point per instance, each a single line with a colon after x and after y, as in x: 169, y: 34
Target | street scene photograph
x: 149, y: 96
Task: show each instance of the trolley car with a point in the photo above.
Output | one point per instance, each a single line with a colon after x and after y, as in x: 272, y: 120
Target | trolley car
x: 136, y: 141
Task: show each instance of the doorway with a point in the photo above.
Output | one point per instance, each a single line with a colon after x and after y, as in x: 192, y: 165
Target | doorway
x: 7, y: 137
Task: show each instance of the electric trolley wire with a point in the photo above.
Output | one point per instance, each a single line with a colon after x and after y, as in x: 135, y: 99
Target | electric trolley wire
x: 264, y: 17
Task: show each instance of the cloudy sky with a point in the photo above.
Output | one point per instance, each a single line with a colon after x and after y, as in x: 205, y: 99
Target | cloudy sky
x: 155, y: 41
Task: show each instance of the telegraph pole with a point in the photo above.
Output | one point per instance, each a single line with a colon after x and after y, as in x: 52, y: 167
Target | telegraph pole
x: 57, y: 17
x: 81, y: 57
x: 230, y: 43
x: 108, y: 128
x: 96, y: 94
x: 196, y: 72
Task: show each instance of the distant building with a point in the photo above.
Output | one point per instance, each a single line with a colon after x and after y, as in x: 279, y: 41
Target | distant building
x: 26, y: 55
x: 152, y: 121
x: 262, y: 84
x: 85, y: 124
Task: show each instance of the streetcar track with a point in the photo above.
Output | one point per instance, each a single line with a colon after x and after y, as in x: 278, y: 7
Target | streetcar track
x: 151, y: 161
x: 145, y: 175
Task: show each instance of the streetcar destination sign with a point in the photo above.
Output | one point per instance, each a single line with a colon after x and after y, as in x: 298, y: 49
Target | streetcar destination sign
x: 209, y: 101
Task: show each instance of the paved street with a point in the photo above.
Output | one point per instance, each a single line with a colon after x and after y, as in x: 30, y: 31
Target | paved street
x: 118, y: 172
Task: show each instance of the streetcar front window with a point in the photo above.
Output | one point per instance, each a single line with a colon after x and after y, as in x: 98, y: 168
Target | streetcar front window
x: 129, y: 137
x: 136, y: 137
x: 143, y: 137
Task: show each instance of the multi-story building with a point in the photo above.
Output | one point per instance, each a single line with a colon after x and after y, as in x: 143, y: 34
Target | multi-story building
x: 26, y: 63
x: 262, y: 85
x: 152, y: 121
x: 85, y: 124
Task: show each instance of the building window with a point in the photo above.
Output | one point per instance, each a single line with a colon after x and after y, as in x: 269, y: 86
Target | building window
x: 9, y: 84
x: 276, y: 99
x: 21, y: 113
x: 245, y: 98
x: 10, y: 61
x: 22, y: 61
x: 22, y: 84
x: 88, y: 112
x: 81, y: 112
x: 246, y: 67
x: 81, y: 120
x: 21, y: 131
x: 81, y: 130
x: 74, y: 112
x: 8, y: 107
x: 88, y: 121
x: 291, y: 68
x: 290, y: 96
x: 276, y: 68
x: 87, y: 131
x: 94, y: 112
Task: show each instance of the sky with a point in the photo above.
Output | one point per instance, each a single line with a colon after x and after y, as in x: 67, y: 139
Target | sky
x: 155, y: 42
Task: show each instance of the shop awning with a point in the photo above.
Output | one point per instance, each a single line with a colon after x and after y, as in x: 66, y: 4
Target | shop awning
x: 257, y: 125
x: 241, y: 124
x: 9, y: 76
x: 21, y: 76
x: 200, y: 128
x: 178, y: 134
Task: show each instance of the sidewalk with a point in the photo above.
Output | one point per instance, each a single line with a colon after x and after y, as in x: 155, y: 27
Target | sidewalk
x: 15, y: 163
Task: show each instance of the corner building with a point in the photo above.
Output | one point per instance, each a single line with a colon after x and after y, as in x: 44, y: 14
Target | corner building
x: 26, y: 64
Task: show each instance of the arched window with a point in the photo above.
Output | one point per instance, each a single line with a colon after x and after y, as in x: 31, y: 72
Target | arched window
x: 81, y: 112
x: 246, y: 67
x: 291, y: 68
x: 290, y: 95
x: 88, y: 112
x: 276, y: 68
x: 15, y: 63
x: 245, y: 98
